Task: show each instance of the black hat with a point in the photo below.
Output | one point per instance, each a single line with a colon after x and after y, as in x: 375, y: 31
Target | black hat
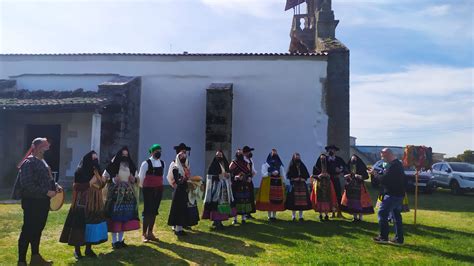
x: 332, y: 147
x: 247, y: 149
x: 181, y: 147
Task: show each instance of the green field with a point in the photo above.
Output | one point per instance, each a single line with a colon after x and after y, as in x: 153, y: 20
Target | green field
x: 444, y: 235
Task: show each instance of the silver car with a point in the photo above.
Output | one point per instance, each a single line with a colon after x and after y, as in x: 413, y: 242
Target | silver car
x: 457, y: 176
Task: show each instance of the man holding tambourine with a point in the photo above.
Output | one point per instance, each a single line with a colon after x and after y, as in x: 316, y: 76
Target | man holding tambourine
x: 35, y: 187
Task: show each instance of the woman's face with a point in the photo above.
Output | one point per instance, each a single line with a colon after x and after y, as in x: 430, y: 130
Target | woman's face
x: 125, y: 153
x: 94, y: 156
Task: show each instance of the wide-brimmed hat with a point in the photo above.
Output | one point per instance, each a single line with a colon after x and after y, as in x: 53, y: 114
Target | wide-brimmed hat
x: 332, y: 147
x: 181, y: 147
x: 247, y: 149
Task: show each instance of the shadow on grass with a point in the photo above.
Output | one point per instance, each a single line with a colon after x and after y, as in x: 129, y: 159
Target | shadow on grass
x: 133, y: 255
x: 222, y: 243
x: 439, y: 253
x: 194, y: 255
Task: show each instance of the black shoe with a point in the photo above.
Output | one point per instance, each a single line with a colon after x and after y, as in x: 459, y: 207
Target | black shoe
x: 116, y: 245
x: 220, y: 226
x: 326, y: 218
x: 274, y: 219
x: 77, y: 255
x: 244, y: 222
x: 321, y: 217
x: 187, y: 228
x: 293, y: 219
x: 123, y: 245
x: 234, y: 222
x: 380, y: 240
x: 90, y: 253
x: 395, y: 242
x: 249, y: 216
x: 180, y: 233
x: 301, y: 219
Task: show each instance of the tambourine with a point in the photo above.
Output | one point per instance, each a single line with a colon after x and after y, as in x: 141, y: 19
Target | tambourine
x: 57, y: 201
x: 195, y: 178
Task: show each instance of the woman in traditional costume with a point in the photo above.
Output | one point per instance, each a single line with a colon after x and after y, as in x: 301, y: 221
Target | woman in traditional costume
x: 85, y: 223
x: 218, y: 201
x: 184, y: 212
x: 323, y: 196
x: 297, y: 197
x: 356, y: 199
x: 122, y: 193
x: 241, y: 177
x: 151, y: 181
x: 271, y: 195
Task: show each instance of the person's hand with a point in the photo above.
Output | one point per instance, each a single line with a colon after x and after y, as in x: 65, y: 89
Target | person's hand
x: 249, y: 179
x: 347, y: 176
x: 59, y: 188
x: 174, y: 185
x: 275, y: 173
x: 322, y: 175
x: 116, y: 180
x: 358, y: 176
x: 132, y: 179
x: 51, y: 193
x: 227, y: 175
x: 338, y: 170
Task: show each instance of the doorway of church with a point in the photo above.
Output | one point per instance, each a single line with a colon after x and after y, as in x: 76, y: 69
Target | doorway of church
x: 53, y: 134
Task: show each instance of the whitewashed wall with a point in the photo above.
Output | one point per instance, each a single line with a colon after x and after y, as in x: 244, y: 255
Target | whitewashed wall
x: 277, y: 100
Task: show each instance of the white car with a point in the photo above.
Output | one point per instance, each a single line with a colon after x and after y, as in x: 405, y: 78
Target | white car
x: 457, y: 176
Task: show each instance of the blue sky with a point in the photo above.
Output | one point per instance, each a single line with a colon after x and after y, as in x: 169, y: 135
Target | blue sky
x: 412, y: 61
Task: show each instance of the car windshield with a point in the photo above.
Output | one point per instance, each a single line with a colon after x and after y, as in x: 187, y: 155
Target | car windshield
x: 462, y: 167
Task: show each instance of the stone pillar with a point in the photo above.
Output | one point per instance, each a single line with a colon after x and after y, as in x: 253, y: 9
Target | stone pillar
x: 121, y: 118
x: 218, y: 120
x: 95, y: 134
x: 337, y: 100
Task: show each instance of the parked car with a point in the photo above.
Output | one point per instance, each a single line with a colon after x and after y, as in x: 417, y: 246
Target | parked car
x: 426, y: 182
x: 459, y: 177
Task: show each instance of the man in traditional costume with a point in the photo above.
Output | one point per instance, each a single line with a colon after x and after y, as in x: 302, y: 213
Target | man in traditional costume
x: 85, y: 223
x: 271, y: 194
x: 183, y: 212
x: 218, y: 200
x: 336, y: 169
x: 242, y: 188
x: 297, y: 197
x: 247, y: 152
x: 151, y: 181
x: 122, y: 197
x: 356, y: 199
x: 35, y: 187
x: 323, y: 195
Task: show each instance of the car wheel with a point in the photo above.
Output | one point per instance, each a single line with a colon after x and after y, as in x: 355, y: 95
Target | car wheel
x: 455, y: 188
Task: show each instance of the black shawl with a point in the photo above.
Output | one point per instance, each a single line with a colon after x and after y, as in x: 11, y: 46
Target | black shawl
x: 85, y: 169
x: 114, y: 165
x: 215, y: 168
x: 361, y: 168
x: 292, y: 171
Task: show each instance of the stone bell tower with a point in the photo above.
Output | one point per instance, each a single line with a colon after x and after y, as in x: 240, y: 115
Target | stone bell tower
x: 315, y: 32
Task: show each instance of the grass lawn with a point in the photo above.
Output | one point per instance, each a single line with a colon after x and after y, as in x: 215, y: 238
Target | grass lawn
x: 444, y: 235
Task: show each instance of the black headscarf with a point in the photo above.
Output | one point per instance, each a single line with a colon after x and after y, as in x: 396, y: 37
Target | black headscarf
x: 361, y: 167
x: 114, y: 165
x: 215, y: 168
x: 275, y: 162
x: 85, y: 169
x: 292, y: 171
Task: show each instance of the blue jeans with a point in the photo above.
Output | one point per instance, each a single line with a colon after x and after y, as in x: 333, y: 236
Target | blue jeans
x: 391, y: 204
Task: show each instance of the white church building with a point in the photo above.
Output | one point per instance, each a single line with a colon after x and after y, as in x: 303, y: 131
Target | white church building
x: 294, y: 102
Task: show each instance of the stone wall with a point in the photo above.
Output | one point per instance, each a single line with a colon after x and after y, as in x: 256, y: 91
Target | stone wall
x: 121, y: 119
x: 218, y: 120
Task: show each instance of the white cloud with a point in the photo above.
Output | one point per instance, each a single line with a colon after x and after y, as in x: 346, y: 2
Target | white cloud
x: 260, y: 8
x: 430, y: 105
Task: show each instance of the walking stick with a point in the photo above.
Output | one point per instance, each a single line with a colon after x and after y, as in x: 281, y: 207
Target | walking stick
x: 416, y: 192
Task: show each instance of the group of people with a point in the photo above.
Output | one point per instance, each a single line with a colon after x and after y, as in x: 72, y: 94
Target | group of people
x: 108, y: 202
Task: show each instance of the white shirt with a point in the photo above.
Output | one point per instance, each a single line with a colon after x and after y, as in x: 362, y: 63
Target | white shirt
x: 266, y: 173
x: 144, y: 168
x: 248, y: 160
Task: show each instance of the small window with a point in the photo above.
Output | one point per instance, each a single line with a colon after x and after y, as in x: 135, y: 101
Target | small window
x: 444, y: 167
x: 437, y: 167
